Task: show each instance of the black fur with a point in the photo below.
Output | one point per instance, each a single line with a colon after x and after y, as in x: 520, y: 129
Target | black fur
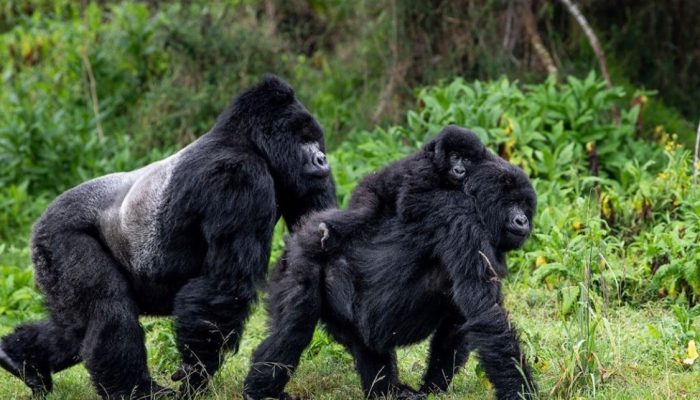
x: 375, y: 197
x: 188, y: 236
x: 431, y: 267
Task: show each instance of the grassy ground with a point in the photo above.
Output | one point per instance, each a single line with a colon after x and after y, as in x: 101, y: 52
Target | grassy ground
x: 637, y: 348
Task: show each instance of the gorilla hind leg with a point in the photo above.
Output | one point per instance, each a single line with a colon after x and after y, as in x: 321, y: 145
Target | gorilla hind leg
x: 29, y: 352
x: 379, y: 374
x: 448, y: 353
x: 87, y: 293
x: 115, y: 354
x: 295, y: 306
x: 33, y: 351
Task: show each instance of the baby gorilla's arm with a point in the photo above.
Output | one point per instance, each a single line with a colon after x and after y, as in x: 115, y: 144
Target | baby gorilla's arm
x: 333, y: 232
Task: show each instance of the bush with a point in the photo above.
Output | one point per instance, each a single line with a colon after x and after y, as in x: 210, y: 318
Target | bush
x: 632, y: 204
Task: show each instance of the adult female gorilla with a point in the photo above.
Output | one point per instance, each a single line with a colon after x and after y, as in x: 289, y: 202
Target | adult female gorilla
x: 187, y: 236
x: 431, y: 267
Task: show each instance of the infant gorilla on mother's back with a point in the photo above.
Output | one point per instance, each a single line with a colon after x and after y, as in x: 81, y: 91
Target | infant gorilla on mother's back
x: 422, y: 254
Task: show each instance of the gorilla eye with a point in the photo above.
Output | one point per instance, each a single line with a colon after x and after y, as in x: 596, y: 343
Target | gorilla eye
x: 308, y: 134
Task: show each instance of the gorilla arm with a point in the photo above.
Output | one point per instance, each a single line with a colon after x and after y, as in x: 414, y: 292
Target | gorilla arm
x: 374, y: 198
x: 476, y: 289
x: 211, y: 309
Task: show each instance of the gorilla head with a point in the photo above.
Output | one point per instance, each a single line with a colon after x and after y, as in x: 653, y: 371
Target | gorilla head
x: 455, y: 152
x: 505, y: 201
x: 284, y: 133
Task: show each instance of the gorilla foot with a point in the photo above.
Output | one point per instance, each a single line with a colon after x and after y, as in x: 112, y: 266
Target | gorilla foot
x: 38, y: 381
x: 283, y: 396
x: 405, y: 392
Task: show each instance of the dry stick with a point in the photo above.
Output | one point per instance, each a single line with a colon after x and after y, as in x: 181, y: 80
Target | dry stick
x: 592, y: 38
x: 495, y: 277
x: 271, y: 12
x: 595, y: 44
x: 695, y: 157
x: 93, y: 94
x: 536, y: 41
x: 396, y: 73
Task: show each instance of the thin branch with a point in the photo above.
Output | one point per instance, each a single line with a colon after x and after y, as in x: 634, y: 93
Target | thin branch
x: 495, y: 277
x: 695, y: 157
x: 536, y: 40
x: 271, y: 13
x: 93, y: 94
x: 592, y: 39
x: 396, y: 72
x: 597, y: 49
x: 507, y: 38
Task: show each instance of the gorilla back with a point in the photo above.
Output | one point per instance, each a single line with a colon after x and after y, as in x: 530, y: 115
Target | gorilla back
x: 188, y: 236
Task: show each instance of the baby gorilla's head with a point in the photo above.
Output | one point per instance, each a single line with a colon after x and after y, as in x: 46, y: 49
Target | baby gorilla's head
x: 456, y: 152
x: 505, y: 201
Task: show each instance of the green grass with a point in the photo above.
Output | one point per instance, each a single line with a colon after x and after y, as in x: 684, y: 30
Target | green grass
x: 639, y: 362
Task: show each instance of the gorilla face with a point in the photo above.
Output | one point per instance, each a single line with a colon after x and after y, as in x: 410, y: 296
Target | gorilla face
x: 456, y: 152
x: 517, y: 228
x: 315, y: 163
x: 505, y: 200
x: 289, y: 138
x: 304, y: 137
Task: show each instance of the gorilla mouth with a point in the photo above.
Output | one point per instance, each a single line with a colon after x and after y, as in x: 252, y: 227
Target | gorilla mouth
x: 315, y: 172
x: 518, y: 232
x: 318, y: 174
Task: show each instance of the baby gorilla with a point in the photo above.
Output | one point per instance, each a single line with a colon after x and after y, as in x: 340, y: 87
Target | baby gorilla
x: 450, y: 157
x: 432, y: 268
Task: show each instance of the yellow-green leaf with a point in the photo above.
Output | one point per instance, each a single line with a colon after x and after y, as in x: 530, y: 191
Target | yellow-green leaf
x: 692, y: 353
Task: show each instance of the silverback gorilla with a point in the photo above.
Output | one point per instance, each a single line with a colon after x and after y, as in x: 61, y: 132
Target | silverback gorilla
x: 431, y: 267
x: 187, y: 236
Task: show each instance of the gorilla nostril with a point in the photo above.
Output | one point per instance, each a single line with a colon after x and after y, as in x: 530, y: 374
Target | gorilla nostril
x: 520, y: 221
x: 320, y: 159
x: 458, y: 170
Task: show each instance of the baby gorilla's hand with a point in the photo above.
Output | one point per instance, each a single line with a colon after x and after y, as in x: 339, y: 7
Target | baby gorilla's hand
x: 330, y: 238
x: 325, y: 234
